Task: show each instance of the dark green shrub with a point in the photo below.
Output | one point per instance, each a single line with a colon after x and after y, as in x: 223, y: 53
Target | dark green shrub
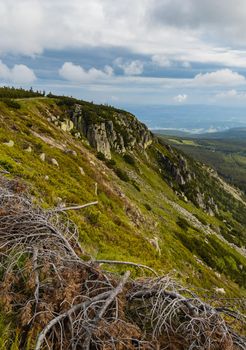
x: 182, y: 223
x: 129, y: 159
x: 6, y: 165
x: 101, y: 156
x: 147, y: 206
x: 110, y: 163
x: 121, y: 174
x: 11, y: 103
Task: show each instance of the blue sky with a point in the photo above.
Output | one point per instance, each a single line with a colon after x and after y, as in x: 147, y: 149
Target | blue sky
x: 128, y: 53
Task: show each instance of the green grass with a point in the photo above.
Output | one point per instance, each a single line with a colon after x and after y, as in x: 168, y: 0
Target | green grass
x: 134, y: 202
x: 119, y: 226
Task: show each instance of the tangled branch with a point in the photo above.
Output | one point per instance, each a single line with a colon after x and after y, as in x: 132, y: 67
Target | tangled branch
x: 64, y: 302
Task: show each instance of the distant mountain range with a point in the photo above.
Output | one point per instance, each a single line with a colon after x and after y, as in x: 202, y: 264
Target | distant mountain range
x: 191, y: 118
x: 233, y: 133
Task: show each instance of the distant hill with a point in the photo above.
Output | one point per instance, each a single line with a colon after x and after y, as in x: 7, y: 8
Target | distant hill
x: 234, y: 133
x: 224, y: 151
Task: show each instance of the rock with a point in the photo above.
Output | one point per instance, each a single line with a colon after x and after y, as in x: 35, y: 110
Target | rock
x: 155, y: 243
x: 54, y: 162
x: 28, y: 149
x: 97, y: 137
x: 42, y: 157
x: 46, y: 177
x: 72, y: 152
x: 120, y: 131
x: 67, y: 125
x: 81, y: 170
x: 77, y: 135
x: 10, y: 143
x: 219, y: 290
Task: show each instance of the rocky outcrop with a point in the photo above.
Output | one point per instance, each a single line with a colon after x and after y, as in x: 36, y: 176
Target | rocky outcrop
x: 177, y: 170
x: 98, y: 138
x: 117, y: 131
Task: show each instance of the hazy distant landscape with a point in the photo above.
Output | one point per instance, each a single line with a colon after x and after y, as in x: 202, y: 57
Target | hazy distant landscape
x: 192, y: 118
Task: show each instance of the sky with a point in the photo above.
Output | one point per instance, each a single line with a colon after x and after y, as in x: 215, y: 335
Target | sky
x: 129, y: 52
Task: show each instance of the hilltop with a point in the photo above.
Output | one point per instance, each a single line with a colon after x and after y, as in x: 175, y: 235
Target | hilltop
x: 155, y: 206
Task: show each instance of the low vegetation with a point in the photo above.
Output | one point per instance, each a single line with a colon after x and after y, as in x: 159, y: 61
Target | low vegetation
x: 142, y: 213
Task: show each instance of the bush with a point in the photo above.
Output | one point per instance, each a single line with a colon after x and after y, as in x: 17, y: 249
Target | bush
x: 110, y: 163
x: 121, y: 174
x: 147, y: 206
x: 101, y: 156
x: 129, y: 159
x: 182, y: 223
x: 11, y: 103
x: 6, y: 165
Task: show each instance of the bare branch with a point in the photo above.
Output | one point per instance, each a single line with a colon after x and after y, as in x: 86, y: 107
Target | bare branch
x: 77, y: 207
x: 116, y: 262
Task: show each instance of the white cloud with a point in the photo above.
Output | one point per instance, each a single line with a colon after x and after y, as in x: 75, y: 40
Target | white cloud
x: 231, y: 95
x: 212, y: 31
x: 186, y: 64
x: 180, y: 98
x: 161, y: 61
x: 220, y: 77
x: 19, y: 74
x: 77, y: 73
x: 130, y: 67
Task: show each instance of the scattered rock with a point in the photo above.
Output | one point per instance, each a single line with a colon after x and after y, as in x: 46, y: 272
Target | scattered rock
x: 81, y: 170
x: 72, y: 152
x: 54, y: 162
x: 77, y: 135
x: 28, y: 149
x: 155, y: 243
x: 219, y: 290
x: 46, y: 177
x: 10, y: 143
x: 67, y: 125
x: 42, y: 157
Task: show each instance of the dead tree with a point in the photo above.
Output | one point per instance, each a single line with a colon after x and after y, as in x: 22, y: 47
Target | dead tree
x: 64, y: 302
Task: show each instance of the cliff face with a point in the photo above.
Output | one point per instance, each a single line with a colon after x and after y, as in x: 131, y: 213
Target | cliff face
x: 121, y: 133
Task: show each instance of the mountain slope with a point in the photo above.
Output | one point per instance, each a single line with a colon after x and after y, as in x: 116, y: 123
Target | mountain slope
x: 225, y: 152
x: 146, y: 191
x: 155, y: 205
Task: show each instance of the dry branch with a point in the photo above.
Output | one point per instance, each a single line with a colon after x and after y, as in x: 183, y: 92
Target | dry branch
x: 129, y: 263
x: 45, y: 284
x: 76, y: 207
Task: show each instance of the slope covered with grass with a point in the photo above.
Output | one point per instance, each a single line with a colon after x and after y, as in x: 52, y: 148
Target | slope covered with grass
x: 155, y: 206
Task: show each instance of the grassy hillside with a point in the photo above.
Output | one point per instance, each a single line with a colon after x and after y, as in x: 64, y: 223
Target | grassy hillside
x: 226, y: 155
x: 144, y: 195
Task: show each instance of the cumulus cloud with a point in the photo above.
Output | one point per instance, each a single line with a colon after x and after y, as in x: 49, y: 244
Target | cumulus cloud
x: 194, y: 30
x: 135, y: 67
x: 161, y: 61
x: 220, y: 77
x: 77, y: 73
x: 19, y: 74
x: 180, y: 98
x: 231, y: 95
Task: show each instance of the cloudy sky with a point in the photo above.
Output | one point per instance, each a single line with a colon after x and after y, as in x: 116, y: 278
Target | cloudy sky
x: 170, y: 52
